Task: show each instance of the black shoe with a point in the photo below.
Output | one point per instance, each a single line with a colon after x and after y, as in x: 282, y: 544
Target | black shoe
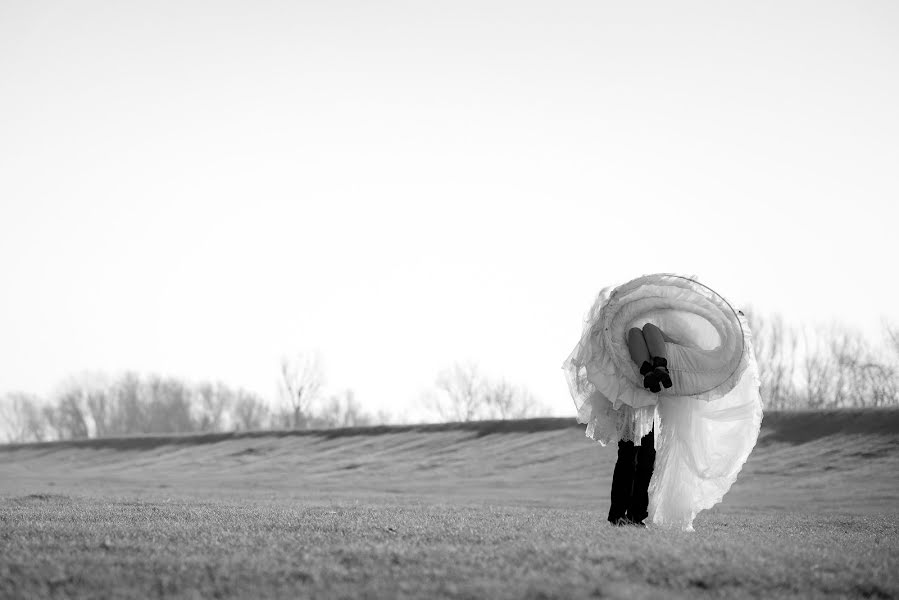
x: 660, y: 368
x: 651, y: 378
x: 652, y: 383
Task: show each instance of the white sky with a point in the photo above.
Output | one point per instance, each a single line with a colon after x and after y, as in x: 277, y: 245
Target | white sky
x: 197, y: 188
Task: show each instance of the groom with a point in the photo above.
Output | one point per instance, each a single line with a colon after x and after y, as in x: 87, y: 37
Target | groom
x: 630, y: 482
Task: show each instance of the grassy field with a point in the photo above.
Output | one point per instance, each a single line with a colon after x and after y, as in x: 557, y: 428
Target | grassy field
x: 481, y: 510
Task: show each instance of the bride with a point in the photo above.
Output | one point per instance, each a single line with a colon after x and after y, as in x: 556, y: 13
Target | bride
x: 665, y: 368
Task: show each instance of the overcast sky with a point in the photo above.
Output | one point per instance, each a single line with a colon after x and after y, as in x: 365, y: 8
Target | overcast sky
x: 198, y: 188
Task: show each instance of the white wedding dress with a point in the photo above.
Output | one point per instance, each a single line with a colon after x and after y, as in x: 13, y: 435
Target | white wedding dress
x: 706, y: 424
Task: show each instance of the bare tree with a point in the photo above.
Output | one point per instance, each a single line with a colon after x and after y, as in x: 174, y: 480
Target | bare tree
x: 168, y: 405
x: 506, y: 401
x: 843, y: 347
x: 841, y: 368
x: 342, y: 411
x: 864, y: 377
x: 90, y: 405
x: 891, y: 335
x: 22, y: 419
x: 384, y: 417
x: 68, y: 416
x: 249, y: 411
x: 129, y: 412
x: 460, y: 394
x: 80, y: 407
x: 817, y: 372
x: 465, y: 394
x: 301, y: 383
x: 211, y: 404
x: 776, y: 347
x: 99, y: 408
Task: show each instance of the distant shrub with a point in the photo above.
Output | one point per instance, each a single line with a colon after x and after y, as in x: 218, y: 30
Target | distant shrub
x: 832, y: 367
x: 95, y: 406
x: 464, y: 393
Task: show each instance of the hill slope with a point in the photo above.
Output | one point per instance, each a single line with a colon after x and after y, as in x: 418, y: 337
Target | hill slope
x: 845, y: 461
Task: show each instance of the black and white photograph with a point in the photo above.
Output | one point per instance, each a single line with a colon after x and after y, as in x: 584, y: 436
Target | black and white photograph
x: 430, y: 299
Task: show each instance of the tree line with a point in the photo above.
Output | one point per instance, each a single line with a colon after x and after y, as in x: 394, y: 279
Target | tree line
x: 131, y: 404
x: 828, y: 367
x: 821, y: 368
x: 134, y: 405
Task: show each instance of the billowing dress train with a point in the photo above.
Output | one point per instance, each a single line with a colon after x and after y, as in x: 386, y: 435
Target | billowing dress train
x: 706, y: 424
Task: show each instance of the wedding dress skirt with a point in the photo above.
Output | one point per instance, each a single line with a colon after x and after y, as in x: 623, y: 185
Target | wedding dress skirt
x: 706, y: 424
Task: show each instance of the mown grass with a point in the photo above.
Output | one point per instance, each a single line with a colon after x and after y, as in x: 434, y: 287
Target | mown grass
x: 483, y: 510
x: 57, y: 546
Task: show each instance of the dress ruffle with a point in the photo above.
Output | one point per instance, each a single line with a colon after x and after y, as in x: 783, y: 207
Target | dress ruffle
x: 706, y: 424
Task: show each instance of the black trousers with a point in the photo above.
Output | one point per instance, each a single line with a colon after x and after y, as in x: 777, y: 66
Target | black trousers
x: 630, y: 480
